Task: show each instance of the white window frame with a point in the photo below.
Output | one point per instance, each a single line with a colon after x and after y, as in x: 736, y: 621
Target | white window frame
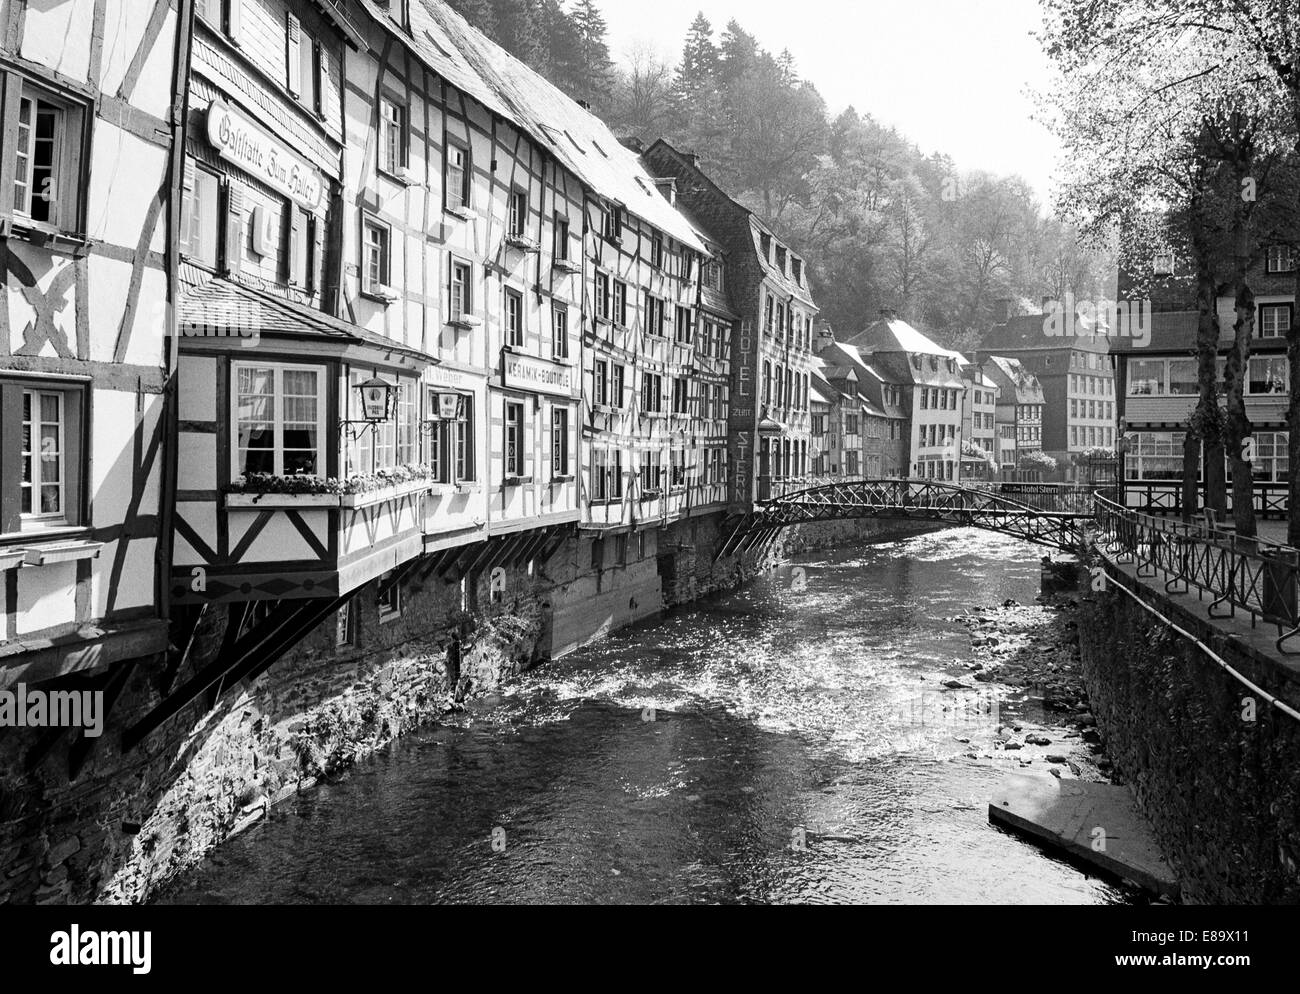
x: 368, y: 284
x: 37, y: 483
x: 277, y: 414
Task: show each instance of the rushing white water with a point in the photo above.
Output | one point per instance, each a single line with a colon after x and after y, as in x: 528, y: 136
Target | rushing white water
x: 802, y: 749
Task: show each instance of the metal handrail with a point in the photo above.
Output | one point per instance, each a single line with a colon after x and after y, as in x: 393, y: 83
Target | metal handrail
x: 1261, y: 578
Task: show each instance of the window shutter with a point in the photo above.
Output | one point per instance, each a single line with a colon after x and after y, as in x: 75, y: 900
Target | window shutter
x: 317, y: 263
x: 13, y: 88
x: 296, y: 221
x: 187, y: 206
x: 293, y: 35
x: 234, y: 20
x: 234, y: 228
x: 322, y: 79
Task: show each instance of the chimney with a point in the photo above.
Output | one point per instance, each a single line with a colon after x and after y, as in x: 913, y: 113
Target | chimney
x: 668, y: 187
x: 692, y: 159
x: 1047, y: 304
x: 1002, y: 310
x: 888, y: 314
x: 584, y: 105
x: 634, y: 143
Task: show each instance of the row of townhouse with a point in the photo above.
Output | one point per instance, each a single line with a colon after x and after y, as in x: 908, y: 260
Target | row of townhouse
x: 338, y: 298
x: 1156, y: 380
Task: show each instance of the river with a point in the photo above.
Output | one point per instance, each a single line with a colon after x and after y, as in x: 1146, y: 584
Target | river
x: 790, y: 742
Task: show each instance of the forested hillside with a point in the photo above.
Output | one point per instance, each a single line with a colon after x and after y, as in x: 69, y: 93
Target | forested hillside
x: 880, y: 222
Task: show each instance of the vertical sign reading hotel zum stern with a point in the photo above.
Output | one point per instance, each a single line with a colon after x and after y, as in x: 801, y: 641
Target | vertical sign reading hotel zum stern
x: 742, y: 416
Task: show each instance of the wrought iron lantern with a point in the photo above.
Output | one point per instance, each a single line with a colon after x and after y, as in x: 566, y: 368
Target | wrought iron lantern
x: 377, y: 397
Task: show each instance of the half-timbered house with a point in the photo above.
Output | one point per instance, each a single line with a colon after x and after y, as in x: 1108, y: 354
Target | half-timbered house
x: 87, y: 229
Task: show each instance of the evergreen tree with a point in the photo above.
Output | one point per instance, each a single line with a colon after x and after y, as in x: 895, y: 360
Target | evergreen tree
x: 698, y: 70
x: 595, y: 68
x: 518, y: 31
x: 739, y: 53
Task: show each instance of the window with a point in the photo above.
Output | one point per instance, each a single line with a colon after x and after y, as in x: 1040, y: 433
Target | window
x: 654, y: 310
x: 514, y: 441
x: 613, y: 224
x: 1280, y: 259
x: 391, y: 443
x: 713, y: 275
x: 1271, y: 463
x: 389, y: 598
x: 1267, y: 375
x: 1274, y: 320
x: 457, y: 182
x: 1182, y: 382
x: 278, y: 419
x: 392, y: 137
x: 599, y: 382
x: 616, y: 386
x: 559, y: 331
x: 602, y: 296
x: 461, y: 295
x: 374, y: 272
x: 1146, y: 378
x: 514, y: 319
x: 301, y: 260
x: 518, y: 214
x: 620, y: 303
x: 652, y: 393
x: 657, y: 252
x: 560, y: 249
x: 1155, y: 456
x: 652, y: 469
x: 450, y: 443
x: 48, y: 138
x: 680, y: 401
x: 41, y: 490
x: 685, y: 325
x: 1163, y: 264
x: 606, y: 474
x: 199, y: 227
x: 344, y: 630
x: 560, y: 441
x: 677, y: 468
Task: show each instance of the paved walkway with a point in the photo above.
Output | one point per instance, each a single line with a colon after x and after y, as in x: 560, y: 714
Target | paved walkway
x: 1093, y: 823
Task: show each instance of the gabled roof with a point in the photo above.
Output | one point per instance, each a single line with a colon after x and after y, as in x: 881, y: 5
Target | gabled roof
x: 579, y: 141
x: 1028, y: 389
x: 1028, y: 332
x: 896, y: 335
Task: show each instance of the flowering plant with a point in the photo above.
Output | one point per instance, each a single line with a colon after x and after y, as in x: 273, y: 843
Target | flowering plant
x: 358, y: 483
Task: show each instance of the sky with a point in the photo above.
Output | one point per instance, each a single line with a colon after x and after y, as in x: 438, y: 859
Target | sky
x: 951, y: 75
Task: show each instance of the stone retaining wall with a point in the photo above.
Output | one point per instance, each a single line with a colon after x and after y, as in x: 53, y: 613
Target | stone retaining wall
x: 1215, y: 770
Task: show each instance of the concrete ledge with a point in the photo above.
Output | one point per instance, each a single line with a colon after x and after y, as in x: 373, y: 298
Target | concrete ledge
x: 1094, y: 823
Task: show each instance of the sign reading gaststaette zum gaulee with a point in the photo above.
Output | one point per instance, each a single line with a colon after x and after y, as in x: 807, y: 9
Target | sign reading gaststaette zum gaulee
x: 256, y: 151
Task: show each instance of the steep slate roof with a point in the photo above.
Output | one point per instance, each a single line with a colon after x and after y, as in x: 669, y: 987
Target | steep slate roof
x: 1026, y: 332
x: 579, y: 141
x: 757, y: 228
x: 1172, y: 332
x: 1028, y: 389
x: 896, y: 335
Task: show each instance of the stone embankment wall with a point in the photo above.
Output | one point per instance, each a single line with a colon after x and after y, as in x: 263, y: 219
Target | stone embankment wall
x: 1215, y: 769
x: 130, y: 821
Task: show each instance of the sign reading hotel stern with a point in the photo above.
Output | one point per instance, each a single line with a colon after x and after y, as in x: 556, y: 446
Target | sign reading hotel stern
x: 522, y: 372
x: 256, y: 151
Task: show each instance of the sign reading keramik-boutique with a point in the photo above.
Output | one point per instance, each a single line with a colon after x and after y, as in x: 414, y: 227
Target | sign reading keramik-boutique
x: 258, y: 152
x: 524, y: 372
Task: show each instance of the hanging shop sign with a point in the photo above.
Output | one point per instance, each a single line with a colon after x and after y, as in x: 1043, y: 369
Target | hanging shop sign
x: 522, y: 372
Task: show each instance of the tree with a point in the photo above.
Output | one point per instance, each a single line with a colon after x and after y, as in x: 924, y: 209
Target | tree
x: 595, y: 68
x: 643, y: 95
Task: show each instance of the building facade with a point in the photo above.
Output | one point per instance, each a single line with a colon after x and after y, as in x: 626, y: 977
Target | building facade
x: 931, y: 393
x: 771, y: 350
x: 88, y: 231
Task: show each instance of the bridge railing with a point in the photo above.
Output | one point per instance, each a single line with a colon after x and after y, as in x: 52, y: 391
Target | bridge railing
x: 1056, y: 498
x: 1260, y: 578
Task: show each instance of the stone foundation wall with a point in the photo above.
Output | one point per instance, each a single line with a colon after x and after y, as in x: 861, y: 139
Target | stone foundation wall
x: 1215, y: 770
x: 131, y: 821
